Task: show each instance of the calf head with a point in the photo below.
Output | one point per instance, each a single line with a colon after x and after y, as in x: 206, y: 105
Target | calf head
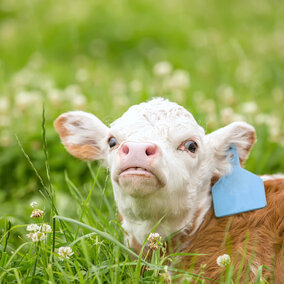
x: 160, y: 160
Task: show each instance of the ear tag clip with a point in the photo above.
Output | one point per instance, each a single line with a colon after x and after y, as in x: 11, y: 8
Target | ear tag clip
x: 238, y: 192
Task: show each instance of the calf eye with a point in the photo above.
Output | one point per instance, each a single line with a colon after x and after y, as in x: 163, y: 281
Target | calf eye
x: 190, y: 146
x: 112, y: 142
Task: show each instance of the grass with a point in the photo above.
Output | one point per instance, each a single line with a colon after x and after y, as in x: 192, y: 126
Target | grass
x: 101, y: 57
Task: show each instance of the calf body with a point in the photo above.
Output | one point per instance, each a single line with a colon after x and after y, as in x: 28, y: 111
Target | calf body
x: 162, y: 165
x: 255, y: 237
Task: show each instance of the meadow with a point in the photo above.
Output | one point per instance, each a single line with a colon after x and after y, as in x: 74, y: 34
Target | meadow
x: 222, y: 60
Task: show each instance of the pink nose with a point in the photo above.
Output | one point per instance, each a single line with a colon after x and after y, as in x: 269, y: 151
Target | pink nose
x: 138, y: 154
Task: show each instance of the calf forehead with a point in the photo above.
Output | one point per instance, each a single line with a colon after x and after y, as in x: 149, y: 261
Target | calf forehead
x: 156, y: 119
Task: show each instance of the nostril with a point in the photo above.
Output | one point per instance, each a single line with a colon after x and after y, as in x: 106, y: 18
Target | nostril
x: 125, y: 149
x: 151, y: 150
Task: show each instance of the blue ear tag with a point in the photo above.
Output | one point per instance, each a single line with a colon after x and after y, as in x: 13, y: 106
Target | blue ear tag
x: 239, y: 191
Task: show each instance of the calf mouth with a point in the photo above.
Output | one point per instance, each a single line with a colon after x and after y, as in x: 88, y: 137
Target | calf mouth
x: 139, y: 177
x: 136, y: 171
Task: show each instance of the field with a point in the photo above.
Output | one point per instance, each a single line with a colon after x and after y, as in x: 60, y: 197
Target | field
x: 222, y: 60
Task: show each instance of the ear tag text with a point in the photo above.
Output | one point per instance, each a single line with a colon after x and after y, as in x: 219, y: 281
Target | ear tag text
x: 239, y: 191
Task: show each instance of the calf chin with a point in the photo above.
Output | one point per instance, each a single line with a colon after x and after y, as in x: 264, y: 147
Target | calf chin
x: 139, y: 186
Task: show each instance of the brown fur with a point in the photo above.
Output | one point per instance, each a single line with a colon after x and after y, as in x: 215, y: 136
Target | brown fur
x: 256, y: 236
x: 251, y: 139
x: 136, y: 246
x: 59, y: 126
x: 214, y: 179
x: 85, y: 152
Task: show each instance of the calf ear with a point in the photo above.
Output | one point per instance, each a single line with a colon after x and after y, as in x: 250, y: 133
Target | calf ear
x: 239, y: 133
x: 83, y: 135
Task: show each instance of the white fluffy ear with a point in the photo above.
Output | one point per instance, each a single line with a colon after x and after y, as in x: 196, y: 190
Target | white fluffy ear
x: 239, y: 133
x: 83, y: 135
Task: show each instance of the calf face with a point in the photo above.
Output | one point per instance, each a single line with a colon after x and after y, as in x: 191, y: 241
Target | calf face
x: 160, y: 160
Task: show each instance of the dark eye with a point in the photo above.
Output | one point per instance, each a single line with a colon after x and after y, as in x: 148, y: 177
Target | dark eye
x: 190, y: 146
x: 112, y: 142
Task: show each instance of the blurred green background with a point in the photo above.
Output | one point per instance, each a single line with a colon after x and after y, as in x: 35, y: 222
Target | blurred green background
x: 223, y: 60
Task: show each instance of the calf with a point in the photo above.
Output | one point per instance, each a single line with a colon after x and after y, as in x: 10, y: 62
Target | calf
x: 163, y: 165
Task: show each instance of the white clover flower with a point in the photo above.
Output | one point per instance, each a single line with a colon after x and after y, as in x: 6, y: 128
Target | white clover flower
x: 227, y: 115
x: 238, y: 117
x: 154, y: 240
x: 249, y: 107
x: 34, y: 204
x: 82, y: 75
x: 46, y: 85
x: 162, y: 69
x: 5, y: 139
x: 45, y: 228
x: 179, y: 80
x: 226, y: 94
x: 26, y: 99
x: 154, y: 236
x: 33, y: 228
x: 36, y: 213
x: 212, y: 120
x: 121, y: 100
x: 79, y: 100
x: 4, y: 104
x: 55, y: 96
x: 22, y: 78
x: 65, y: 252
x: 37, y: 236
x: 261, y: 118
x: 72, y: 90
x: 5, y: 119
x: 223, y: 260
x: 118, y: 88
x: 178, y: 95
x: 209, y: 106
x: 273, y: 124
x: 199, y: 97
x: 135, y: 86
